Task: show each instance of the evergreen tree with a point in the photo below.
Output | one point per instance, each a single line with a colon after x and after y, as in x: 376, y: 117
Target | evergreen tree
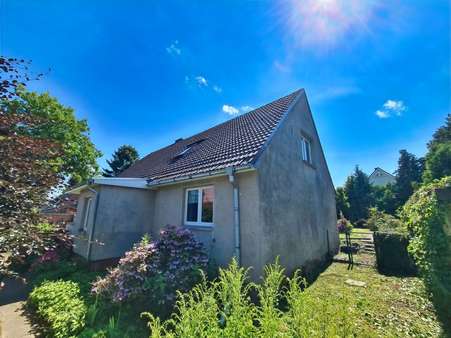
x: 438, y: 158
x: 342, y: 203
x: 358, y: 191
x: 122, y: 159
x: 409, y: 173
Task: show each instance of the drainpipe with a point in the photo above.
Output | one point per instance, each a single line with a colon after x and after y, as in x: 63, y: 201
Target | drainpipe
x: 91, y: 233
x: 236, y: 212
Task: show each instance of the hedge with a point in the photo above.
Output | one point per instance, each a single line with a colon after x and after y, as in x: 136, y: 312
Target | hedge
x: 427, y: 217
x: 60, y: 305
x: 392, y: 256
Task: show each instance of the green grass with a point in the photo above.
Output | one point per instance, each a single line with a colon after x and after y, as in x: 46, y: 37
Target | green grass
x: 386, y: 306
x: 358, y: 233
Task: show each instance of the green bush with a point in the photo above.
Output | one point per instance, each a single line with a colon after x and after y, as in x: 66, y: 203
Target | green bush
x: 60, y: 305
x: 392, y: 256
x: 425, y: 218
x: 380, y: 221
x: 223, y: 308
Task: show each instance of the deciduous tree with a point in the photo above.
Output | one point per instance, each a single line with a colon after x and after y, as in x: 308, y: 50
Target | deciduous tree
x: 59, y: 124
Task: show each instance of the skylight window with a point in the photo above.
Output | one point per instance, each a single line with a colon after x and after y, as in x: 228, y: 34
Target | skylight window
x: 187, y: 149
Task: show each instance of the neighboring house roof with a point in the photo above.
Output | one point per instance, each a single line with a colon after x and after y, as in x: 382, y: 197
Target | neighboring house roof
x: 380, y: 170
x: 237, y: 142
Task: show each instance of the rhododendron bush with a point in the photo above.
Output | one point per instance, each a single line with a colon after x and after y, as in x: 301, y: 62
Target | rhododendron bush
x: 156, y: 269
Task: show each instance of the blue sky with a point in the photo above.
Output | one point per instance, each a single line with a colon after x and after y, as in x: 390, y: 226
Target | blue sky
x: 377, y: 73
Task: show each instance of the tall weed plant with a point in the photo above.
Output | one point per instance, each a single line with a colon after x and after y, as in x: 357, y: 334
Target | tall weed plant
x: 283, y: 308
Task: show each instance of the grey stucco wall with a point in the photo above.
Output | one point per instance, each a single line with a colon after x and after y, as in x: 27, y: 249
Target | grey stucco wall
x: 81, y: 238
x: 123, y: 216
x: 219, y: 239
x: 297, y: 200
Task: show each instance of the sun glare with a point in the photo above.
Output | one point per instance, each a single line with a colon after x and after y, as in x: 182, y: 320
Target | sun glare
x: 326, y: 22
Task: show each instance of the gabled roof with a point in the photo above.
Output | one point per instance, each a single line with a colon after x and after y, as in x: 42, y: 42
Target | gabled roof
x: 378, y: 169
x: 237, y: 142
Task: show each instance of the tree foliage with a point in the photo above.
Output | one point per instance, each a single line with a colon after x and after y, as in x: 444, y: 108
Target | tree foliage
x: 14, y: 73
x: 122, y: 159
x: 29, y: 169
x: 385, y: 198
x: 28, y: 173
x: 341, y: 200
x: 78, y: 154
x: 425, y: 218
x: 358, y: 191
x: 438, y: 157
x: 410, y: 170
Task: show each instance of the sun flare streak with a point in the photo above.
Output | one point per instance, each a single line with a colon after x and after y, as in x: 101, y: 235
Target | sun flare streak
x: 326, y: 22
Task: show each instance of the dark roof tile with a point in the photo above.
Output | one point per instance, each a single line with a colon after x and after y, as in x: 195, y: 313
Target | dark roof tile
x: 236, y: 142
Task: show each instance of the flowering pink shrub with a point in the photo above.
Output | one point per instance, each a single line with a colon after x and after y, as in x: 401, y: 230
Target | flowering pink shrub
x: 343, y: 225
x: 156, y: 269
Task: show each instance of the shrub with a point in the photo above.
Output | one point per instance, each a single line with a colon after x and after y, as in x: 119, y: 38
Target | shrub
x: 425, y: 218
x: 391, y: 253
x: 222, y: 308
x: 59, y: 304
x: 156, y: 269
x: 380, y: 221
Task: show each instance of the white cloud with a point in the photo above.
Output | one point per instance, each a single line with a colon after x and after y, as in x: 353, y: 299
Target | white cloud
x: 217, y: 89
x: 391, y: 108
x: 174, y: 48
x: 396, y: 106
x: 382, y: 114
x: 231, y: 110
x: 246, y: 108
x: 201, y: 81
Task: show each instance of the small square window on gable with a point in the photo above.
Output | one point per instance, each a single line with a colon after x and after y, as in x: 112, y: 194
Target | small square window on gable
x: 199, y: 206
x: 306, y: 150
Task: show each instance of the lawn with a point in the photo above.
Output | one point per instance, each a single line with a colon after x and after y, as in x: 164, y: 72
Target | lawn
x: 387, y: 306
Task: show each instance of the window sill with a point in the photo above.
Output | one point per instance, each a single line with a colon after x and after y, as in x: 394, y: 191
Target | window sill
x: 205, y: 227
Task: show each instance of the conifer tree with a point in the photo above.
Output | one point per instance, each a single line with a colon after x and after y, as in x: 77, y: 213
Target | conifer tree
x: 122, y: 159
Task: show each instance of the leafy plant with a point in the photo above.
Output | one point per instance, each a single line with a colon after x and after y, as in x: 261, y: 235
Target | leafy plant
x: 78, y: 156
x: 380, y: 221
x: 343, y: 225
x: 223, y: 308
x: 157, y: 269
x: 425, y: 219
x: 438, y: 157
x: 59, y: 304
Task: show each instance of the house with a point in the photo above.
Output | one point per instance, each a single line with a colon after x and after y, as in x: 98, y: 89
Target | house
x: 380, y: 178
x: 61, y: 210
x: 254, y: 187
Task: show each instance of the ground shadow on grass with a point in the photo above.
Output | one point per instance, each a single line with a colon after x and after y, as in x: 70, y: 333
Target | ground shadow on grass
x: 441, y: 299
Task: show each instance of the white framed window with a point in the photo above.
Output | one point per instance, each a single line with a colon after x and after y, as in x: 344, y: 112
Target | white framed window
x: 86, y: 213
x: 306, y: 150
x: 199, y: 206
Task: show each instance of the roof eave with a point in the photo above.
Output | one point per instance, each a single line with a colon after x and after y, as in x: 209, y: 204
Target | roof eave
x: 125, y: 182
x: 153, y: 184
